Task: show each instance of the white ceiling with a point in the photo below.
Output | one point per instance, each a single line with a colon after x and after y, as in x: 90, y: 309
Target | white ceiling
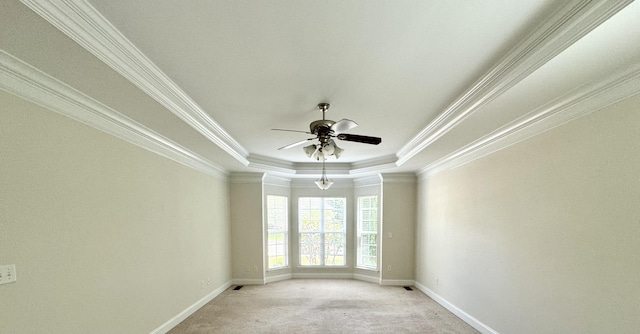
x: 442, y: 82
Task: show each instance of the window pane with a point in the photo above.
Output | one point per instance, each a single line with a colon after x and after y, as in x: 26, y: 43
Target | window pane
x: 334, y: 249
x: 322, y: 227
x: 277, y: 231
x: 367, y: 232
x: 309, y: 210
x: 310, y: 249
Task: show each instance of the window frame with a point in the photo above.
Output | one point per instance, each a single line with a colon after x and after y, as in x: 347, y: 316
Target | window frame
x: 284, y: 232
x: 360, y: 262
x: 322, y: 232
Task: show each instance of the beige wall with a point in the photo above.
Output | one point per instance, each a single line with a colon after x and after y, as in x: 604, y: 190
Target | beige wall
x: 247, y: 228
x: 106, y: 237
x: 398, y: 228
x: 544, y: 236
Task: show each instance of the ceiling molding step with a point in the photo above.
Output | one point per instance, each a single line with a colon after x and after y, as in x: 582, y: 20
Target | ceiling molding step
x: 367, y: 181
x: 580, y: 102
x: 289, y: 169
x: 310, y: 184
x: 315, y: 168
x: 31, y: 84
x: 398, y: 177
x: 271, y: 165
x: 87, y: 27
x: 568, y: 24
x: 246, y: 177
x: 274, y: 180
x: 374, y: 165
x: 372, y: 169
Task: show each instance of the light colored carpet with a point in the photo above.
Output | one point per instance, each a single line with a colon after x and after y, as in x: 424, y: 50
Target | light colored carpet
x: 322, y: 306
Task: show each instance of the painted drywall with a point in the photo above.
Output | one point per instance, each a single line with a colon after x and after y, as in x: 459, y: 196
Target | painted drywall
x: 247, y: 228
x: 106, y: 237
x: 544, y: 236
x: 398, y: 228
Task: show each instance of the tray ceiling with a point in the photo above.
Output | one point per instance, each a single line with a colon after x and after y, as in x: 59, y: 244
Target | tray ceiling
x: 442, y: 82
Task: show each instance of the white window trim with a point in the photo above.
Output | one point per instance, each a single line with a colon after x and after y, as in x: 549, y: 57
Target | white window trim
x: 322, y: 250
x: 286, y: 237
x: 358, y: 234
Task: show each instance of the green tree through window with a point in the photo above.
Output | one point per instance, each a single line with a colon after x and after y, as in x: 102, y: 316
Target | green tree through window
x: 277, y: 232
x: 367, y: 232
x: 322, y: 227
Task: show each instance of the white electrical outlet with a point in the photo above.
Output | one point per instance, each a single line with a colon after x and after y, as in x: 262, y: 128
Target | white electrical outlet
x: 8, y: 274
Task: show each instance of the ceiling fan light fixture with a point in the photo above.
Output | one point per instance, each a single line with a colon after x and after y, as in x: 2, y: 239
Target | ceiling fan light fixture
x: 310, y: 150
x: 337, y: 151
x: 328, y: 149
x: 323, y: 182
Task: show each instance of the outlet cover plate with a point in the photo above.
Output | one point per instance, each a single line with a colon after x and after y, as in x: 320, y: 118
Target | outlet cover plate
x: 8, y: 273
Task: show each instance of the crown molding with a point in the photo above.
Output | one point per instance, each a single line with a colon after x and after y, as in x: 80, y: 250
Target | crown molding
x: 243, y: 177
x: 368, y: 181
x: 271, y: 165
x: 274, y: 180
x: 568, y: 24
x: 31, y: 84
x: 310, y: 184
x: 315, y: 168
x: 87, y: 27
x: 289, y: 169
x: 374, y: 165
x: 581, y: 102
x: 398, y: 177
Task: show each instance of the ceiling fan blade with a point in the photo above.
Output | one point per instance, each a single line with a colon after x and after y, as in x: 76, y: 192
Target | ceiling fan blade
x: 343, y: 125
x: 359, y: 138
x: 307, y: 132
x: 296, y: 144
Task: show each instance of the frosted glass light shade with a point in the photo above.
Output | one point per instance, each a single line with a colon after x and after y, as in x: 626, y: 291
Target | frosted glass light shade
x: 324, y: 183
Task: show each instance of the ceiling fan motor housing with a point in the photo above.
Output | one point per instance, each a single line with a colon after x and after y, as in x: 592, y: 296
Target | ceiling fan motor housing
x: 322, y: 128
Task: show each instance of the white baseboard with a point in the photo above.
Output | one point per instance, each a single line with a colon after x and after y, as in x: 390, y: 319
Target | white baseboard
x: 173, y: 322
x: 248, y: 281
x: 367, y: 278
x: 276, y: 278
x: 397, y: 282
x: 466, y: 317
x: 323, y: 275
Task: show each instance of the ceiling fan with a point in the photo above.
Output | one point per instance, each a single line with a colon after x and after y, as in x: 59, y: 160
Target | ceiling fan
x: 325, y: 130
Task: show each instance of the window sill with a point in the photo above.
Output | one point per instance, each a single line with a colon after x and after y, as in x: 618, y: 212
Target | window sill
x: 278, y: 269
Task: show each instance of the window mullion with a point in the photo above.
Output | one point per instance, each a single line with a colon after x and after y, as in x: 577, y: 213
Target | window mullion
x: 324, y: 230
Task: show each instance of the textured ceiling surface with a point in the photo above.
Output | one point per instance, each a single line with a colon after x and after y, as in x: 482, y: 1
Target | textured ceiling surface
x: 437, y: 80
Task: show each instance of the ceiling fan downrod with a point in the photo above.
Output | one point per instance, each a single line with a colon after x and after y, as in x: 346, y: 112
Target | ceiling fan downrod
x: 322, y: 128
x: 324, y: 107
